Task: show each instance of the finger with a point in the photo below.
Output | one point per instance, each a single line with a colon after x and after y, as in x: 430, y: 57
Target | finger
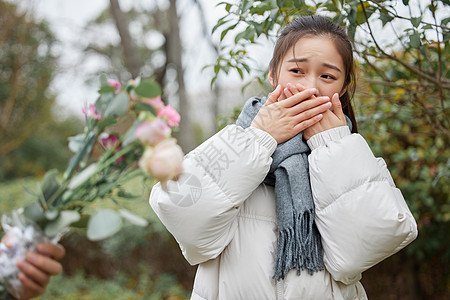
x: 299, y: 97
x: 300, y: 87
x: 293, y: 88
x: 288, y: 93
x: 310, y: 113
x: 337, y: 107
x: 273, y: 97
x: 33, y: 273
x: 310, y: 103
x: 30, y: 285
x: 44, y: 263
x: 307, y: 123
x: 55, y: 251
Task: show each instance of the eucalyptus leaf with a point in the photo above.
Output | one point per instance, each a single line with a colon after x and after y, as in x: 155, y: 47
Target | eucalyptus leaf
x: 76, y: 142
x: 51, y: 214
x: 82, y: 176
x: 148, y: 88
x: 141, y: 106
x: 103, y: 224
x: 65, y: 218
x: 106, y: 89
x: 50, y: 184
x: 118, y: 106
x: 34, y: 212
x: 133, y: 218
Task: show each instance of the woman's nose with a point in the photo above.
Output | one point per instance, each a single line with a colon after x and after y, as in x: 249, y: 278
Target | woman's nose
x: 309, y: 83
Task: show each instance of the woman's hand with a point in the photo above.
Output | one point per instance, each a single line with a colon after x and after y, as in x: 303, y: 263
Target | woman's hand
x: 285, y: 119
x: 37, y: 268
x: 330, y: 119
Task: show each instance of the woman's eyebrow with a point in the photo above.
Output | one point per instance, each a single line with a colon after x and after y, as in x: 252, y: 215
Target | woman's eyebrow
x: 303, y: 59
x: 331, y: 67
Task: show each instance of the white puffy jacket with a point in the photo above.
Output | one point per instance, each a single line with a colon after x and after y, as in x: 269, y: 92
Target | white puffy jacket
x: 224, y: 217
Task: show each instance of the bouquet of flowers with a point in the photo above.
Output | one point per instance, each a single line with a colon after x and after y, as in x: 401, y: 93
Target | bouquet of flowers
x: 103, y: 160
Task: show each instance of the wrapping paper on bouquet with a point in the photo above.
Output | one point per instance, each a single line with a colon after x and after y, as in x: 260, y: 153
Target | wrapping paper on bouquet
x: 21, y: 236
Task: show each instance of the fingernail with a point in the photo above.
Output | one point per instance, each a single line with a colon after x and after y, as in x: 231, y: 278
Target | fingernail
x: 328, y: 104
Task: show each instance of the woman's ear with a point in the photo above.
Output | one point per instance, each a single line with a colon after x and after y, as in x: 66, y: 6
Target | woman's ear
x: 270, y: 78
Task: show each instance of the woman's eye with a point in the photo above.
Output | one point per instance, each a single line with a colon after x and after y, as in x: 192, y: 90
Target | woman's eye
x: 296, y: 71
x: 326, y: 76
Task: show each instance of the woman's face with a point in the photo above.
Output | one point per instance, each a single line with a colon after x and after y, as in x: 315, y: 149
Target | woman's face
x: 314, y: 63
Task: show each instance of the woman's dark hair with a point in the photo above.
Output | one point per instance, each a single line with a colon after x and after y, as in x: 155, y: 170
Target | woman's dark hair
x: 318, y: 26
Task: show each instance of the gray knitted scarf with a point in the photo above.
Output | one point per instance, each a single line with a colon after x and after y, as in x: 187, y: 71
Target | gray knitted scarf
x: 299, y: 244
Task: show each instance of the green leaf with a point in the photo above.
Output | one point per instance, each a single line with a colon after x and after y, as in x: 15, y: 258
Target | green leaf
x: 103, y: 224
x: 224, y: 33
x: 126, y: 195
x: 105, y: 122
x: 405, y: 2
x: 148, y: 88
x: 34, y: 212
x: 118, y: 106
x: 132, y: 218
x: 141, y: 106
x: 299, y: 3
x: 416, y: 21
x: 106, y: 89
x: 65, y: 218
x: 414, y: 40
x: 385, y: 18
x: 103, y: 78
x: 241, y: 74
x: 50, y: 184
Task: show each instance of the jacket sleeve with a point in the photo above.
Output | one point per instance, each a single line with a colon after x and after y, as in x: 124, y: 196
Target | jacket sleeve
x: 360, y: 213
x: 200, y: 209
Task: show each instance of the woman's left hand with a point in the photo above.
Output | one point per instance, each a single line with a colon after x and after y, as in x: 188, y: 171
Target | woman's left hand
x: 37, y: 268
x: 330, y: 119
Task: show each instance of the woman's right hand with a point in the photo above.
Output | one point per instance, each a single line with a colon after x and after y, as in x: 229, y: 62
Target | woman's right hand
x: 285, y: 119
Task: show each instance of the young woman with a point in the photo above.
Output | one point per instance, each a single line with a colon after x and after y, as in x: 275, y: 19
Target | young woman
x: 243, y: 209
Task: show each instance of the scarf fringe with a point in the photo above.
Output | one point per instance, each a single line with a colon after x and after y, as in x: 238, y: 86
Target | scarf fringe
x: 299, y: 247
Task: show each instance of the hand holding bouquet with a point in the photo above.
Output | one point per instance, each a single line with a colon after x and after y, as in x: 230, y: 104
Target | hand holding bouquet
x: 103, y: 161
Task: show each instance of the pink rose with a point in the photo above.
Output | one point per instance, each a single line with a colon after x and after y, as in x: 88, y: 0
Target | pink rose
x: 91, y: 112
x: 152, y: 132
x: 157, y: 103
x: 171, y: 115
x: 115, y: 84
x: 111, y: 141
x: 164, y: 162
